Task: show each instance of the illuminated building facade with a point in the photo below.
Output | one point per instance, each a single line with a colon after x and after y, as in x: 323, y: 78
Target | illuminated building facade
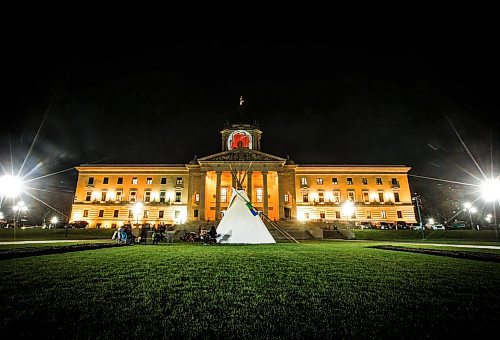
x: 200, y: 190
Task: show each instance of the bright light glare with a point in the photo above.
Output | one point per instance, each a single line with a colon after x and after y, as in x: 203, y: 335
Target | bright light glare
x: 137, y: 208
x: 473, y: 210
x: 491, y: 190
x: 54, y: 220
x: 348, y: 208
x: 431, y: 221
x: 467, y: 205
x: 10, y: 186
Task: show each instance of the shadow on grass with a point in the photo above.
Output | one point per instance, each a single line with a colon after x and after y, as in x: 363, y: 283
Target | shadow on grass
x: 26, y: 252
x: 468, y: 255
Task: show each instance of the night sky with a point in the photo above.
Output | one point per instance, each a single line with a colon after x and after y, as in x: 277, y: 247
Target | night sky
x: 320, y: 102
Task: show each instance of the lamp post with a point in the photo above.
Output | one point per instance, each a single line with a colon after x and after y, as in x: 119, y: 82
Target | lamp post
x: 490, y: 191
x: 18, y: 208
x: 472, y: 210
x: 54, y: 221
x: 137, y: 209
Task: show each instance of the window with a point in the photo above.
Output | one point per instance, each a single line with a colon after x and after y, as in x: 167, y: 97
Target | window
x: 396, y: 197
x: 104, y: 194
x: 349, y: 181
x: 364, y: 181
x: 85, y: 213
x: 366, y: 197
x: 130, y: 214
x: 195, y: 213
x: 223, y: 195
x: 119, y: 180
x: 164, y: 180
x: 113, y: 225
x: 321, y: 197
x: 322, y: 214
x: 134, y: 180
x: 381, y: 197
x: 350, y: 196
x: 88, y: 196
x: 383, y: 214
x: 178, y: 181
x: 115, y: 213
x: 337, y: 214
x: 147, y: 196
x: 305, y: 198
x: 287, y: 198
x: 105, y: 180
x: 160, y: 214
x: 133, y: 195
x: 162, y: 196
x: 149, y: 180
x: 177, y: 213
x: 196, y: 197
x: 379, y: 181
x: 368, y: 214
x: 394, y: 182
x: 259, y: 193
x: 146, y: 213
x: 319, y: 181
x: 303, y: 181
x: 336, y: 196
x: 118, y: 196
x: 400, y: 214
x: 178, y: 196
x: 101, y: 213
x: 335, y: 181
x: 91, y: 181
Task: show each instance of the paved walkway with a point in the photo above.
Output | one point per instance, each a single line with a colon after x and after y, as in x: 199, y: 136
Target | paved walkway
x: 45, y: 241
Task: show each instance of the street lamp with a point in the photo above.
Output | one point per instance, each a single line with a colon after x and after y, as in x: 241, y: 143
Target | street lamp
x: 137, y: 209
x: 431, y: 221
x: 10, y: 186
x: 54, y: 221
x: 18, y: 208
x: 472, y: 210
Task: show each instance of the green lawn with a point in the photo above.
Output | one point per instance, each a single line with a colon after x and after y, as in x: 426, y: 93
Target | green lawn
x: 18, y: 234
x: 432, y: 236
x: 310, y: 290
x: 56, y: 244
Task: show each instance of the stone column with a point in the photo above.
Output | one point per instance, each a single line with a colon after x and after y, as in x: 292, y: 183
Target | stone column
x: 249, y: 185
x: 281, y: 193
x: 264, y: 184
x: 217, y: 195
x: 202, y: 179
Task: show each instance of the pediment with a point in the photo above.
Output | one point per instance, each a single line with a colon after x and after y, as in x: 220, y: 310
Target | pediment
x: 241, y: 155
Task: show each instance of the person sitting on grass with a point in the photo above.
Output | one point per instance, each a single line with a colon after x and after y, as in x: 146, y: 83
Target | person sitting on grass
x: 155, y: 236
x: 212, y: 235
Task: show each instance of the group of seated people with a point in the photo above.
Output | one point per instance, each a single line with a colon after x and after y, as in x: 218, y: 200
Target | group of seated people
x: 124, y: 234
x: 207, y: 237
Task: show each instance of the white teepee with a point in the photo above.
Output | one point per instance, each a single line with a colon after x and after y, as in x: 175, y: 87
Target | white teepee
x: 241, y: 223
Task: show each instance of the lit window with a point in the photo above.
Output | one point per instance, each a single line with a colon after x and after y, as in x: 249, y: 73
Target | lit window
x: 321, y: 197
x: 305, y: 198
x: 287, y: 198
x: 149, y: 180
x: 322, y: 214
x: 177, y: 196
x: 177, y: 213
x: 366, y: 197
x: 105, y: 180
x: 160, y: 214
x: 335, y: 181
x: 130, y: 214
x: 400, y: 214
x: 101, y: 213
x: 319, y: 181
x: 85, y: 213
x: 119, y: 180
x: 379, y: 181
x: 368, y: 214
x: 115, y: 213
x: 88, y: 196
x: 259, y: 194
x: 147, y: 196
x: 164, y: 180
x: 179, y: 181
x: 337, y: 214
x: 381, y: 197
x: 303, y: 181
x: 91, y: 181
x: 103, y: 196
x: 383, y: 214
x: 350, y: 196
x: 364, y: 180
x: 394, y: 181
x: 162, y: 196
x: 118, y: 196
x: 396, y: 197
x: 349, y: 181
x: 196, y: 197
x: 146, y: 213
x: 336, y: 196
x: 223, y: 195
x: 134, y: 180
x: 133, y: 196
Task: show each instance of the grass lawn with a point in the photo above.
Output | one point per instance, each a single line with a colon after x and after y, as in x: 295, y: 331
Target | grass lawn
x: 310, y: 290
x: 54, y: 244
x: 18, y: 234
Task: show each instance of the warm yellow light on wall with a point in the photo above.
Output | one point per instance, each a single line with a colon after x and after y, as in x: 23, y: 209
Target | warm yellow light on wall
x: 77, y: 216
x: 389, y: 196
x: 111, y: 195
x: 155, y: 196
x: 373, y: 196
x: 329, y: 196
x: 96, y: 195
x: 313, y: 196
